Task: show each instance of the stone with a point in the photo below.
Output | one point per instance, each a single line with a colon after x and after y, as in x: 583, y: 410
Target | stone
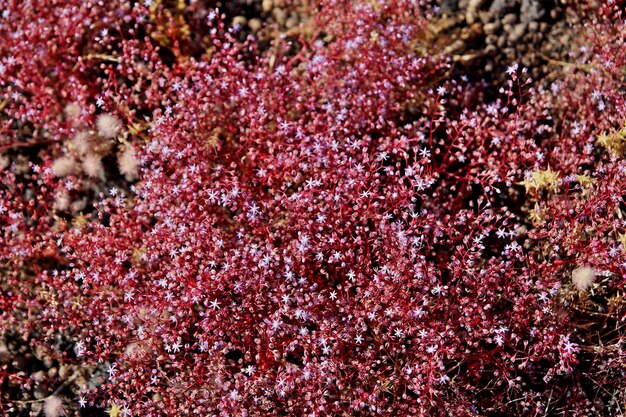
x: 267, y: 6
x: 501, y: 7
x: 492, y: 28
x: 255, y: 24
x: 516, y: 34
x: 530, y: 11
x: 509, y: 19
x: 473, y: 7
x: 240, y: 21
x: 280, y: 15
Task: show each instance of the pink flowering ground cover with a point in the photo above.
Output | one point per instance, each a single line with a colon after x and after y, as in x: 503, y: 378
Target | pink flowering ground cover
x: 202, y: 217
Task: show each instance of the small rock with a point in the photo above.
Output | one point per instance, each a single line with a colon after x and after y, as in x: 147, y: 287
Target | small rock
x: 500, y: 7
x: 291, y: 23
x: 456, y: 46
x: 473, y: 6
x: 255, y: 24
x: 64, y: 371
x: 501, y: 41
x: 492, y: 28
x: 35, y: 408
x: 267, y: 5
x: 280, y: 15
x: 530, y: 11
x: 491, y: 49
x: 509, y: 19
x: 240, y: 21
x: 485, y: 16
x: 37, y: 376
x: 554, y: 13
x: 516, y: 34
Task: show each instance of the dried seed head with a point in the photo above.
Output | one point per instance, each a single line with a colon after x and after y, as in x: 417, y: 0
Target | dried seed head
x: 82, y: 142
x: 128, y: 163
x: 92, y: 165
x: 72, y: 111
x: 583, y: 277
x: 53, y: 407
x: 62, y: 202
x: 108, y: 126
x: 64, y: 166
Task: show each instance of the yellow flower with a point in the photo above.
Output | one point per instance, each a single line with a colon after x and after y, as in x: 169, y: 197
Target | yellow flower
x: 614, y: 141
x: 79, y: 221
x: 536, y: 215
x: 114, y: 411
x: 540, y: 179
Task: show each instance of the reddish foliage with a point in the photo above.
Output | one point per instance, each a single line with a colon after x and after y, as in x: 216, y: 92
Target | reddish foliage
x: 332, y: 224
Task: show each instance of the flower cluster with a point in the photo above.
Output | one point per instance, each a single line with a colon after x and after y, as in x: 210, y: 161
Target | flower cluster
x: 331, y: 223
